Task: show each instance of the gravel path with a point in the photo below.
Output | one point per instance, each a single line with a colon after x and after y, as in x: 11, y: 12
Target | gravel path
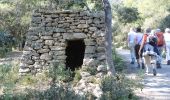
x: 12, y: 56
x: 155, y: 87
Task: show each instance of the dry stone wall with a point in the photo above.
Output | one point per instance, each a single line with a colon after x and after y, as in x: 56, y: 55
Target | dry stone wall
x: 49, y: 31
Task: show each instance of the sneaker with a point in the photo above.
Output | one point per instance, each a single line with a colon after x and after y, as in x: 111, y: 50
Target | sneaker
x: 154, y: 72
x: 143, y: 66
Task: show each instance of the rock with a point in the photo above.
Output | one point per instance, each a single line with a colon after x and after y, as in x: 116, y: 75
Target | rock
x: 33, y: 38
x: 79, y: 36
x: 74, y: 36
x: 101, y: 68
x: 47, y: 37
x: 55, y: 35
x: 97, y: 91
x: 90, y: 49
x: 57, y: 48
x: 90, y: 62
x: 23, y: 65
x: 43, y: 50
x: 84, y: 74
x: 100, y: 49
x: 49, y: 42
x: 25, y: 70
x: 82, y: 26
x: 37, y: 46
x: 59, y: 30
x: 45, y: 56
x: 92, y: 29
x: 89, y: 42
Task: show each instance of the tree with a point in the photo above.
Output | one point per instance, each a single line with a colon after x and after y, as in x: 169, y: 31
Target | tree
x: 108, y: 37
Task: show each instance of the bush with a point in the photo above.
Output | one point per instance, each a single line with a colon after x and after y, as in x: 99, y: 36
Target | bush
x: 60, y: 73
x: 117, y: 88
x: 118, y: 62
x: 6, y: 42
x: 127, y: 14
x: 8, y: 74
x: 91, y: 70
x: 77, y: 76
x: 53, y: 93
x: 165, y: 23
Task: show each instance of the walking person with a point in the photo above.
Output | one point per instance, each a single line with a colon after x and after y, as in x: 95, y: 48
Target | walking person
x: 167, y: 44
x: 161, y: 45
x: 138, y: 41
x: 131, y: 44
x: 150, y: 52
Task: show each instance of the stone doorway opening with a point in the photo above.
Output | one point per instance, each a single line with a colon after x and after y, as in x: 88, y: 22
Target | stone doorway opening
x: 75, y: 54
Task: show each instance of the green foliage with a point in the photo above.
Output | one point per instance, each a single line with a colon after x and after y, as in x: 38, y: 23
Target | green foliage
x: 8, y: 77
x: 118, y: 62
x: 127, y: 14
x: 8, y: 73
x: 165, y: 22
x: 77, y: 76
x: 27, y: 80
x: 91, y: 70
x: 118, y: 88
x: 60, y: 73
x: 6, y: 43
x: 53, y: 93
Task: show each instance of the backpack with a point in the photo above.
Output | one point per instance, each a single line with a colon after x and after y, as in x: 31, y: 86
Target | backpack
x: 160, y: 37
x: 152, y: 40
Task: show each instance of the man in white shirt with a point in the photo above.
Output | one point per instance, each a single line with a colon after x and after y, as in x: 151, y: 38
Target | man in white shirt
x: 167, y: 44
x: 131, y: 44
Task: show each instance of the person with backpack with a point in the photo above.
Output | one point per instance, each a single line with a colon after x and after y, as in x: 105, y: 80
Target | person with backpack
x: 131, y: 44
x: 150, y: 51
x: 160, y: 44
x: 167, y: 44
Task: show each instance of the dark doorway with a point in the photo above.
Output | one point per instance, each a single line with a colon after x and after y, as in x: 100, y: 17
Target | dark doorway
x: 75, y: 53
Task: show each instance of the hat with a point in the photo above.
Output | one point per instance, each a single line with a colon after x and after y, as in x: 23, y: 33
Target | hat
x: 158, y: 30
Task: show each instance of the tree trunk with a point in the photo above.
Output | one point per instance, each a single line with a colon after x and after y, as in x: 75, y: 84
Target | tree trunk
x: 108, y: 37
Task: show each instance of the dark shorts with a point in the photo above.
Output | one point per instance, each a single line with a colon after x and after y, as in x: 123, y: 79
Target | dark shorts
x: 137, y: 47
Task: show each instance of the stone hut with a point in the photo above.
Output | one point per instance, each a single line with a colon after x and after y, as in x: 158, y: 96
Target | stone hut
x: 72, y: 38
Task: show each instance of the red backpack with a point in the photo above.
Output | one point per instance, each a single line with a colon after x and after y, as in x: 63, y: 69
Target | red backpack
x: 160, y: 37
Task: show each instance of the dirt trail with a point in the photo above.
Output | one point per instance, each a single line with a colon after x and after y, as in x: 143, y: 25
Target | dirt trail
x: 12, y: 56
x: 155, y: 87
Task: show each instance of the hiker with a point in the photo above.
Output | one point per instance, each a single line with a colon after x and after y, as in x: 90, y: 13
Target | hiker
x: 150, y: 51
x: 167, y: 44
x: 160, y: 44
x: 138, y: 41
x: 131, y: 44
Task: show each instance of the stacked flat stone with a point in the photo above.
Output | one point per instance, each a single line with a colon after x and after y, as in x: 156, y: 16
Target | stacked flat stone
x: 49, y: 31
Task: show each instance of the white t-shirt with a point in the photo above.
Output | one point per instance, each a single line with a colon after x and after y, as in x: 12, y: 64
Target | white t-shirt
x: 139, y: 38
x: 167, y: 37
x: 131, y: 37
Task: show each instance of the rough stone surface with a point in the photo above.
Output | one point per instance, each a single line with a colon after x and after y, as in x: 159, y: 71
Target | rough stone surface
x: 47, y: 40
x: 47, y: 37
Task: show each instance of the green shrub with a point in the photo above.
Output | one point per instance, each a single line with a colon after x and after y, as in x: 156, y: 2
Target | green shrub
x: 6, y: 42
x: 91, y: 70
x: 118, y: 62
x: 53, y: 93
x: 60, y: 73
x: 77, y: 76
x: 117, y: 88
x: 8, y: 73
